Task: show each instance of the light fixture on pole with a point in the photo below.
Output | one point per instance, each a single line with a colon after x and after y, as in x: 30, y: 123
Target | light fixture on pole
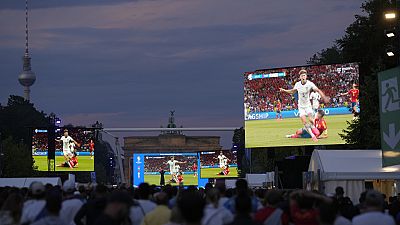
x: 390, y: 33
x: 390, y: 15
x: 390, y: 51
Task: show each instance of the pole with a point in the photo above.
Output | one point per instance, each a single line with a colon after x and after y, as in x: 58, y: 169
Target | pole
x: 121, y: 166
x: 397, y: 19
x: 1, y: 156
x: 117, y: 153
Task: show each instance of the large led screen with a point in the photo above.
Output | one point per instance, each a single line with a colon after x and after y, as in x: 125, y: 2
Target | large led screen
x: 218, y: 164
x: 304, y: 105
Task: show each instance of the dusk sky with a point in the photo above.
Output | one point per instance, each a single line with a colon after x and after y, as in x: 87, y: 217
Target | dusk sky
x: 128, y: 63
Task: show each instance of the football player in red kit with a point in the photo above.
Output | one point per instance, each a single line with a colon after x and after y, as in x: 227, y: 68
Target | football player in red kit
x: 278, y: 109
x: 318, y: 130
x: 72, y: 162
x: 180, y: 177
x: 194, y: 168
x: 91, y: 148
x: 354, y: 92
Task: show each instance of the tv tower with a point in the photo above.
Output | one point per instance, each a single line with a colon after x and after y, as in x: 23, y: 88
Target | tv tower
x: 27, y: 77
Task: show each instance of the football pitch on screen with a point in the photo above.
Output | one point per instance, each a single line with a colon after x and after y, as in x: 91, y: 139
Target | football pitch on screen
x: 188, y: 179
x: 84, y: 163
x: 272, y: 132
x: 214, y: 173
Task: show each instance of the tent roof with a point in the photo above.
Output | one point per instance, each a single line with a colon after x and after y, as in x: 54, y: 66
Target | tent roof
x: 352, y: 164
x: 26, y: 182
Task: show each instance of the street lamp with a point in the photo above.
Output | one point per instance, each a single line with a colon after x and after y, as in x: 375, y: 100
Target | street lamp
x: 390, y: 15
x: 390, y: 33
x: 390, y: 51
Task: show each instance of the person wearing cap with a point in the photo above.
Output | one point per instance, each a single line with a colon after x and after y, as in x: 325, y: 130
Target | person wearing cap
x: 373, y: 207
x: 52, y: 209
x: 116, y: 211
x: 161, y: 214
x: 35, y: 205
x: 71, y: 204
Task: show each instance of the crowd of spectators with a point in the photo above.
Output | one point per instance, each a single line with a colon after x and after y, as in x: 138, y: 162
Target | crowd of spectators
x: 261, y: 95
x: 151, y: 205
x: 212, y: 159
x: 39, y: 142
x: 157, y: 163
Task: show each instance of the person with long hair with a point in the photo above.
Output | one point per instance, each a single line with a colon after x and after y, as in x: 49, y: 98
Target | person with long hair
x: 11, y: 210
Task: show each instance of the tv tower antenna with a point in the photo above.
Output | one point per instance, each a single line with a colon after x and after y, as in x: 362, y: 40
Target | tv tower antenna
x: 27, y: 77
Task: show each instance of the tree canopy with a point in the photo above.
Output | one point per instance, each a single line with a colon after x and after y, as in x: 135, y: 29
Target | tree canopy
x: 364, y: 42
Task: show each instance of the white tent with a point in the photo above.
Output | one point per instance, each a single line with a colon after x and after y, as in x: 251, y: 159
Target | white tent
x: 350, y: 169
x: 26, y: 182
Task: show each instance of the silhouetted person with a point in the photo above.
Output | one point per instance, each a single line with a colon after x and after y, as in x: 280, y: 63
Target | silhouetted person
x: 271, y: 214
x: 372, y: 214
x: 161, y: 214
x: 11, y: 210
x: 90, y: 211
x: 214, y: 214
x: 191, y: 205
x: 116, y: 211
x: 162, y: 177
x: 243, y: 210
x: 53, y: 207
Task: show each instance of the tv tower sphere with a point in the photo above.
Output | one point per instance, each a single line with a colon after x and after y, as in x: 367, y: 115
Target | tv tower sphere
x: 27, y: 77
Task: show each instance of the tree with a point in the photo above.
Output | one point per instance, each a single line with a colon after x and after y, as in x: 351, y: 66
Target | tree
x: 16, y: 119
x: 17, y: 159
x: 327, y: 56
x: 18, y: 116
x: 364, y: 43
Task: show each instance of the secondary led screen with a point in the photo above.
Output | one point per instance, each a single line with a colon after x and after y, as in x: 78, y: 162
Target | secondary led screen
x: 165, y: 168
x: 218, y: 164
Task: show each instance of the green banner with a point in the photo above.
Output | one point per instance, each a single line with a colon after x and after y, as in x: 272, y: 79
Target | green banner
x: 389, y: 110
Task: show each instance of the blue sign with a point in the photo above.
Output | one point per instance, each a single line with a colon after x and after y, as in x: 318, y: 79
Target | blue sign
x: 138, y: 169
x: 60, y: 153
x: 294, y: 113
x: 254, y: 76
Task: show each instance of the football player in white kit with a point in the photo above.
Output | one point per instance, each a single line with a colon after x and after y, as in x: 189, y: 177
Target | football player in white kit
x: 222, y: 159
x: 315, y: 97
x: 303, y: 88
x: 66, y: 141
x: 172, y: 163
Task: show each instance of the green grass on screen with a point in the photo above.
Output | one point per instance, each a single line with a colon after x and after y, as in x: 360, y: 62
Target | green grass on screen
x: 213, y: 173
x: 84, y: 163
x: 188, y: 179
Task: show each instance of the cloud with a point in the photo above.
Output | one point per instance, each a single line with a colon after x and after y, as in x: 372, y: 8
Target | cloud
x: 130, y: 63
x: 20, y: 4
x: 85, y: 119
